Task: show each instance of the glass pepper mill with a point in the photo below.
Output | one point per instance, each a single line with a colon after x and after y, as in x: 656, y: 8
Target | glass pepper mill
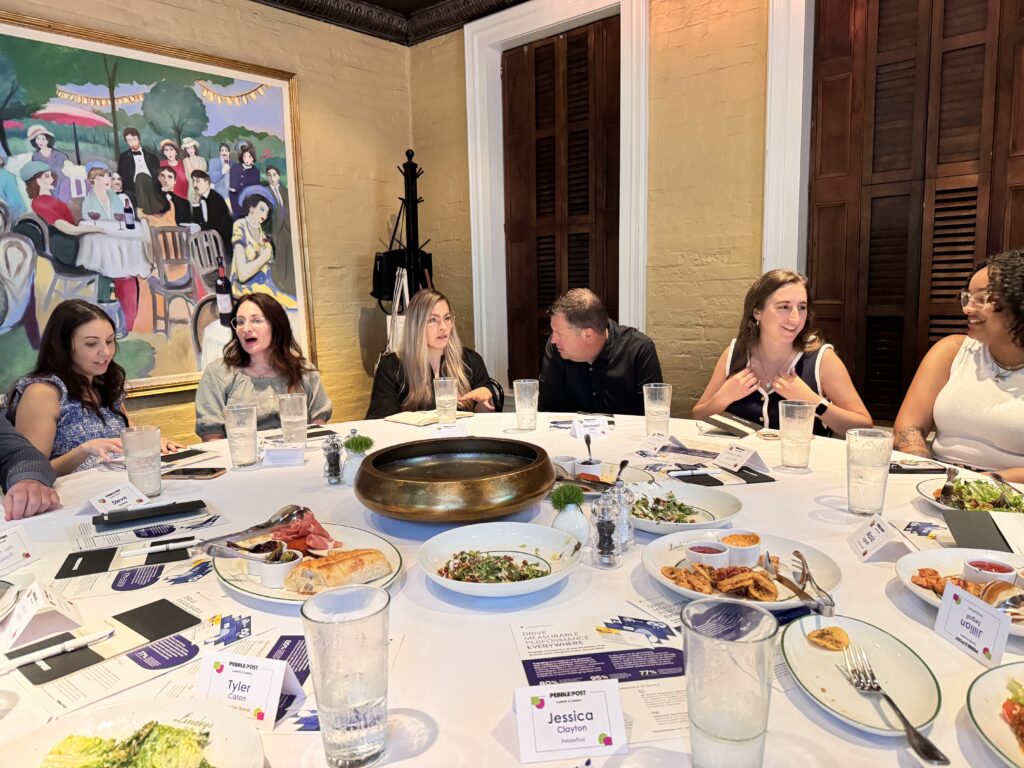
x: 606, y: 549
x: 624, y: 499
x: 332, y: 465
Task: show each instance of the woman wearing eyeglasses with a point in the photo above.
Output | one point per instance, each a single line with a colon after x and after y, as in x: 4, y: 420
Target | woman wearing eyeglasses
x: 430, y: 348
x: 261, y: 361
x: 777, y: 355
x: 971, y: 388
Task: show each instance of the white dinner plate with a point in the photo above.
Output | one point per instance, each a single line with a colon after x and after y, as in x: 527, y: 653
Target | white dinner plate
x: 561, y: 551
x: 926, y: 488
x: 900, y: 671
x: 234, y: 571
x: 715, y: 507
x: 671, y: 550
x: 985, y: 700
x: 233, y: 739
x: 950, y: 562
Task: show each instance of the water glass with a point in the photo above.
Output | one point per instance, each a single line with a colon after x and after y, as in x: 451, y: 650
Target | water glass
x: 347, y: 641
x: 527, y: 400
x: 867, y: 469
x: 292, y: 409
x: 142, y: 457
x: 728, y: 648
x: 657, y: 408
x: 446, y: 399
x: 796, y: 425
x: 240, y: 424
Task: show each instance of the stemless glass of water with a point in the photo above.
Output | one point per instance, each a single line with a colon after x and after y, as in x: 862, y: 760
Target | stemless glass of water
x: 446, y: 399
x: 347, y: 641
x: 867, y: 469
x: 240, y: 424
x: 796, y: 427
x: 729, y: 647
x: 527, y: 399
x: 292, y: 409
x: 657, y: 408
x: 142, y: 457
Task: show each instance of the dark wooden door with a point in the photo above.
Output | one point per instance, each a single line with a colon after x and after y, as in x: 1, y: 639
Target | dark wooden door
x: 560, y: 100
x: 903, y: 121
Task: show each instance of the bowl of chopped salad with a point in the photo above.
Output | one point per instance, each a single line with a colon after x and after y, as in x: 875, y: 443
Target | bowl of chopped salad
x: 499, y: 559
x: 995, y: 703
x: 670, y: 507
x: 975, y: 492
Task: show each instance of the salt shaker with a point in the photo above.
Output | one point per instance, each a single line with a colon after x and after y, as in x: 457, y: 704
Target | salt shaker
x: 624, y: 499
x: 606, y: 549
x: 332, y: 453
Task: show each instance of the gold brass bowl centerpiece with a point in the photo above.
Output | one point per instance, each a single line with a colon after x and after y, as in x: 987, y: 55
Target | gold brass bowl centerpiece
x: 454, y: 479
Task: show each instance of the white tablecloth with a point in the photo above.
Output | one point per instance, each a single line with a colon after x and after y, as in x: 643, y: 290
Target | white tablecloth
x: 115, y: 252
x: 451, y: 687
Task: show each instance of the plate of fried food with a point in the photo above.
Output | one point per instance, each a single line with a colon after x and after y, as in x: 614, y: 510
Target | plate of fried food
x: 984, y: 573
x: 343, y: 555
x: 728, y: 563
x: 670, y: 507
x: 995, y: 702
x: 814, y: 646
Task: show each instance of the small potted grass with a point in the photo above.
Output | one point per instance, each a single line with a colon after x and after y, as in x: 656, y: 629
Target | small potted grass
x: 356, y: 448
x: 567, y: 499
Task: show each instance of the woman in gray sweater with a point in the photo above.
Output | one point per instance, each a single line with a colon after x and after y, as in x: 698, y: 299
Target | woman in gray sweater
x: 261, y: 361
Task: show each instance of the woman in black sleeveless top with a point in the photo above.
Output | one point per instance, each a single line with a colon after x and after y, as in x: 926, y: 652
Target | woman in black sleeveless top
x: 778, y: 356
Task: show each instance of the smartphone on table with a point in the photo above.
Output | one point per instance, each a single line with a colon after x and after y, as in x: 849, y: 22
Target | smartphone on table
x: 193, y: 473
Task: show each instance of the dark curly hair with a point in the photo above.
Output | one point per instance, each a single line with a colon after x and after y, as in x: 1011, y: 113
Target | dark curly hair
x: 1006, y: 289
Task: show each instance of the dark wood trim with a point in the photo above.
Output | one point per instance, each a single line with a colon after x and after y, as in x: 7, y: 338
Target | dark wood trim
x: 406, y: 29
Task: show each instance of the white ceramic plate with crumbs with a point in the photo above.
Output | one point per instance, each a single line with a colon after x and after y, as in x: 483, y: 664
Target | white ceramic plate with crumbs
x: 927, y: 489
x: 985, y: 700
x: 548, y: 549
x: 671, y: 550
x: 234, y: 571
x: 711, y: 508
x: 900, y: 671
x: 950, y: 562
x: 233, y: 739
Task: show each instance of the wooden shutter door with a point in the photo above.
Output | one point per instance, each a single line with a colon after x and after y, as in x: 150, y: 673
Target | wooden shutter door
x: 561, y: 117
x: 1006, y: 203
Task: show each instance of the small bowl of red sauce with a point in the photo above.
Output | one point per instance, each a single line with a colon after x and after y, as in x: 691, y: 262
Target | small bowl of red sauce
x: 709, y: 553
x: 982, y: 570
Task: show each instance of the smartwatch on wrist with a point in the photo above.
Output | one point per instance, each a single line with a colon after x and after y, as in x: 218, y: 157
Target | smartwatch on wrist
x: 822, y: 407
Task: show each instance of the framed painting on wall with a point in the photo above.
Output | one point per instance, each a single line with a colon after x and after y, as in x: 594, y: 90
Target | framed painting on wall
x: 158, y: 161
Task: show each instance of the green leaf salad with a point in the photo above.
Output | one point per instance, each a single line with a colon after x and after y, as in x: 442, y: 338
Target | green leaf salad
x: 666, y: 510
x: 154, y: 745
x: 982, y: 494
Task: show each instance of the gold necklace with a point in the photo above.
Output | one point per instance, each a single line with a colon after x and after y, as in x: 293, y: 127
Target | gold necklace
x: 767, y: 381
x: 1007, y: 368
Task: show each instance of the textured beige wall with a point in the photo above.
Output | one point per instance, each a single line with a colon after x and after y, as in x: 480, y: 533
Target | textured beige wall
x: 708, y: 66
x: 354, y: 125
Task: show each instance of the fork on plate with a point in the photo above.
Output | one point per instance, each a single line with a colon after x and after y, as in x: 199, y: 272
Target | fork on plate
x: 862, y: 677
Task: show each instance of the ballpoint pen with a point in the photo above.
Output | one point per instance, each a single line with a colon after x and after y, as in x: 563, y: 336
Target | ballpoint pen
x: 160, y: 548
x: 691, y: 472
x: 56, y: 650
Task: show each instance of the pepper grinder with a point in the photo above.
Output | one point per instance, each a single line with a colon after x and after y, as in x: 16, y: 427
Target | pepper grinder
x: 332, y: 453
x: 606, y: 549
x: 624, y: 499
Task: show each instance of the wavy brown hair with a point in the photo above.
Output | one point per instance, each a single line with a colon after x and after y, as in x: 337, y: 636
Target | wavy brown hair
x: 749, y: 333
x: 285, y: 354
x: 1006, y: 287
x: 55, y: 359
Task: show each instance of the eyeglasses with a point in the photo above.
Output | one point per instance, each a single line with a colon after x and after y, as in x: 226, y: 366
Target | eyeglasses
x: 977, y: 298
x: 240, y: 322
x: 433, y: 321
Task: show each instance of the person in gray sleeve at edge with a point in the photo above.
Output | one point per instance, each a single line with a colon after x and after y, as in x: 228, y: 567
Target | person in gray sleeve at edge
x: 25, y: 476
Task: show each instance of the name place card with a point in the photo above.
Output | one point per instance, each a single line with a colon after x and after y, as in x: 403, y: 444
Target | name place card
x: 250, y: 684
x: 736, y: 456
x: 15, y: 549
x: 571, y: 720
x: 123, y: 497
x: 595, y: 426
x: 451, y: 429
x: 873, y: 536
x: 972, y: 625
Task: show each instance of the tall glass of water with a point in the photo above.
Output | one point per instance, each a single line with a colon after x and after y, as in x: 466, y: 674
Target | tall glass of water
x: 240, y: 424
x: 729, y: 647
x: 796, y: 427
x: 446, y: 399
x: 657, y: 407
x: 142, y: 457
x: 292, y: 409
x: 347, y: 641
x: 867, y: 469
x: 527, y: 399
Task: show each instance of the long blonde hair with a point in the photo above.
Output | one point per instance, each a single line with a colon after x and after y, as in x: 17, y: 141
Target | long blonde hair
x: 416, y: 369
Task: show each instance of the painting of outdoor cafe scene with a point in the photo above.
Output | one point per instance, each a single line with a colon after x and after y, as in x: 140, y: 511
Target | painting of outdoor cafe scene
x: 140, y: 183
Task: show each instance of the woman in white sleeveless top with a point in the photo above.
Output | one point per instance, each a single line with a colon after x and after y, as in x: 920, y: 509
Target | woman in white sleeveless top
x: 971, y: 388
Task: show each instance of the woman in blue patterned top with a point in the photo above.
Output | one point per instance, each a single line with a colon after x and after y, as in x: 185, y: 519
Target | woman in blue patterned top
x: 71, y: 406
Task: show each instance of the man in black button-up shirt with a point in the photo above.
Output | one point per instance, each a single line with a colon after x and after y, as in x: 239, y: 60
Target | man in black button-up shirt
x: 592, y: 363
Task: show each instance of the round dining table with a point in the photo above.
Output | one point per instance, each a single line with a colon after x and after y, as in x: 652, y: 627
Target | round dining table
x: 451, y: 684
x: 114, y: 250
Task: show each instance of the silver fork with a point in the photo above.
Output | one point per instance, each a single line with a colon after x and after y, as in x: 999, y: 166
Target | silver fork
x: 862, y: 677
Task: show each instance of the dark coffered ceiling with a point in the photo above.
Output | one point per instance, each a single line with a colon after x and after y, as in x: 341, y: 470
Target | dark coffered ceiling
x: 400, y: 21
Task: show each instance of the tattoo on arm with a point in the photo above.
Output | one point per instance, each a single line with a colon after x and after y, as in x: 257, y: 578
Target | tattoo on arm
x: 911, y: 440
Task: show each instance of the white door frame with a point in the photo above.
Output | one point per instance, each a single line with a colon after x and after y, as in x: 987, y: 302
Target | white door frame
x: 485, y: 40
